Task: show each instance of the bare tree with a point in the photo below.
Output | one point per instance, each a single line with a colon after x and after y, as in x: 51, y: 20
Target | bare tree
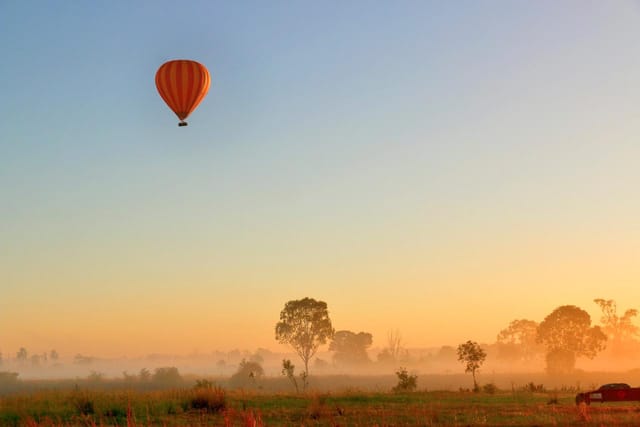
x: 394, y: 343
x: 394, y: 349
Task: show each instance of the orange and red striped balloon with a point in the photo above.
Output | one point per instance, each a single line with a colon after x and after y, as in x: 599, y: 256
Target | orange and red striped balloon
x: 182, y: 84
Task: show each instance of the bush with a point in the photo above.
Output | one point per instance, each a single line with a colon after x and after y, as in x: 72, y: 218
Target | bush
x: 406, y: 381
x: 489, y: 388
x: 167, y: 376
x: 247, y: 375
x: 208, y: 399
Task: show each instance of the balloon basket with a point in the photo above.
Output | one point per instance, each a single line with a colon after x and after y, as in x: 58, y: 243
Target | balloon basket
x: 182, y: 124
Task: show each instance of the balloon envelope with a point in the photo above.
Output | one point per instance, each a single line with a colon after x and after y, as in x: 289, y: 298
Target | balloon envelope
x: 182, y: 84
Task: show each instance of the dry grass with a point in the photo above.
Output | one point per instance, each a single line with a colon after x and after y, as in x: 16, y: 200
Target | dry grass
x: 213, y: 407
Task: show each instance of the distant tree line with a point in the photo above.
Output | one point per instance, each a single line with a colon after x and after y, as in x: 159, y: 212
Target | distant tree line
x: 567, y: 334
x: 562, y: 337
x: 559, y: 340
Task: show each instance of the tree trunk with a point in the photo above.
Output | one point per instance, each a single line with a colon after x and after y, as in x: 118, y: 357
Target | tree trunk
x: 305, y: 374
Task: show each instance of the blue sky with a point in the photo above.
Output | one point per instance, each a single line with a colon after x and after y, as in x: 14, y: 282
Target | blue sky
x: 402, y: 151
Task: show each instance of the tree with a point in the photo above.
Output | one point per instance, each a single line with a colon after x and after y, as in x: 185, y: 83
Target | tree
x: 567, y: 334
x: 53, y: 355
x: 350, y: 348
x: 519, y: 341
x: 248, y: 373
x: 305, y: 325
x: 621, y: 332
x: 394, y: 349
x: 22, y: 354
x: 472, y: 355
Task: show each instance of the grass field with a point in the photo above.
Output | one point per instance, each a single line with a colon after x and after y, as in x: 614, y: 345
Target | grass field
x: 216, y: 407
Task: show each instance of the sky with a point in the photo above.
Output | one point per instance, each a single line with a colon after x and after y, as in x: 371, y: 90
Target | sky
x: 435, y: 168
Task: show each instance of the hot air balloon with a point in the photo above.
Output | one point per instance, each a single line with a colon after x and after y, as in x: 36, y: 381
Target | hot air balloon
x: 182, y: 84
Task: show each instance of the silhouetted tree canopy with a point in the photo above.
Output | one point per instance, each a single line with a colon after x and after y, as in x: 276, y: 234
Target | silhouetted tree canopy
x: 519, y: 341
x: 305, y: 325
x: 622, y: 334
x: 350, y: 348
x: 567, y: 334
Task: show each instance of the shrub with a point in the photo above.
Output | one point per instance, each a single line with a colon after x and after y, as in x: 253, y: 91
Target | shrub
x: 248, y: 374
x: 406, y: 381
x: 208, y: 399
x: 288, y: 369
x: 489, y: 388
x: 167, y: 376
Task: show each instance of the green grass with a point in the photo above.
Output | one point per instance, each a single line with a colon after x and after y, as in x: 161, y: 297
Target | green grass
x: 177, y: 408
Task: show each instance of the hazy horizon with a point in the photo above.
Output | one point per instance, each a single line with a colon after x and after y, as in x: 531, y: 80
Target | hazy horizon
x: 436, y: 168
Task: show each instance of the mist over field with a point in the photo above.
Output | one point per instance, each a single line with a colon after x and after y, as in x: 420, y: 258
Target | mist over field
x: 437, y: 369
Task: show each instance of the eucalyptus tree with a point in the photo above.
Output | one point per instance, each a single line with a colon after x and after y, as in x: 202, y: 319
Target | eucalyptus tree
x: 304, y: 325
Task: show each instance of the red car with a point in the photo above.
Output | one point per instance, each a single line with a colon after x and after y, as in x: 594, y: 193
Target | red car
x: 615, y: 392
